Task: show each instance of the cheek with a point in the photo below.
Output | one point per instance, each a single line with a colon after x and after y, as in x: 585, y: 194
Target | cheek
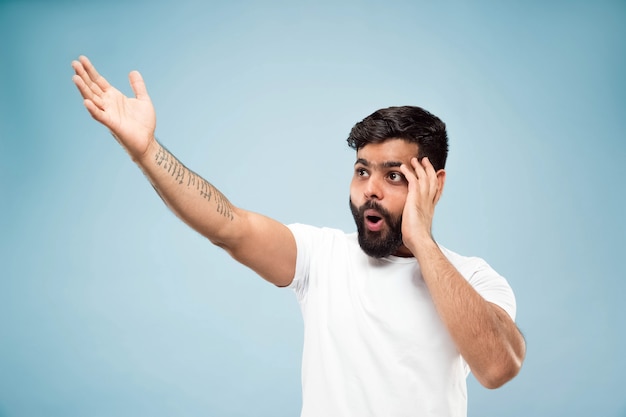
x: 356, y: 195
x: 396, y: 202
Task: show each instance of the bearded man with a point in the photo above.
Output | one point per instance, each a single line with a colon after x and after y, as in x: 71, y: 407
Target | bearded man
x: 393, y: 321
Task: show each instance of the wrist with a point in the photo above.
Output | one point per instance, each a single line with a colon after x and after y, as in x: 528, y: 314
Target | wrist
x: 151, y: 149
x: 420, y: 242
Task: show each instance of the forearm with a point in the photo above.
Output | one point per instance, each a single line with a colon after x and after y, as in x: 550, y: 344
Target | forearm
x: 132, y: 121
x: 193, y: 199
x: 257, y: 241
x: 485, y: 335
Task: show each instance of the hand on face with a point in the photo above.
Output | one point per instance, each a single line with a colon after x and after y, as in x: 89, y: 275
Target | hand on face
x: 424, y: 189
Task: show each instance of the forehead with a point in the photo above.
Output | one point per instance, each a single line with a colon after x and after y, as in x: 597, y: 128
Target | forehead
x: 390, y: 150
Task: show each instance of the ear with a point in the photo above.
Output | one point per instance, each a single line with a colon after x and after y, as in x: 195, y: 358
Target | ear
x: 441, y: 180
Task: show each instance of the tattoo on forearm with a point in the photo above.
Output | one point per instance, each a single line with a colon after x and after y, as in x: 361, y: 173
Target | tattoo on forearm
x: 184, y: 176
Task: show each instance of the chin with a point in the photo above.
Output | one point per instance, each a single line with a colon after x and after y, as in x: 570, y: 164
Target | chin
x: 381, y: 246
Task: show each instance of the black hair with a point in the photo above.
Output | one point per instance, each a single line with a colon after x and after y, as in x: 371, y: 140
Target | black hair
x: 410, y: 123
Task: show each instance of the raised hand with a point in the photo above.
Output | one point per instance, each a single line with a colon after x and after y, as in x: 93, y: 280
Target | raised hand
x: 132, y: 121
x: 424, y: 189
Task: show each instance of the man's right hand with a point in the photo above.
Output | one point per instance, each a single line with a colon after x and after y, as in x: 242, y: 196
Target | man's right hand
x: 261, y: 243
x: 132, y: 121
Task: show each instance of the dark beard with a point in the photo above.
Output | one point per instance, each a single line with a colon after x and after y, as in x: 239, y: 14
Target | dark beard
x: 378, y: 244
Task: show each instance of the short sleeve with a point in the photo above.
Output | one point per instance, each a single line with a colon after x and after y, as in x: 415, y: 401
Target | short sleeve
x: 485, y: 280
x: 492, y: 286
x: 303, y: 235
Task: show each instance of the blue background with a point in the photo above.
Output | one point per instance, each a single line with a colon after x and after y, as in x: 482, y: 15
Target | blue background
x: 111, y: 306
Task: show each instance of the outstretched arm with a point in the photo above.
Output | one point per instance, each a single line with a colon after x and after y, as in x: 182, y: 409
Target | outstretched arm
x: 263, y: 244
x: 485, y: 335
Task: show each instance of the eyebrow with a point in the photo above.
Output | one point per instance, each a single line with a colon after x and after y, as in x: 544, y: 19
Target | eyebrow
x: 386, y: 164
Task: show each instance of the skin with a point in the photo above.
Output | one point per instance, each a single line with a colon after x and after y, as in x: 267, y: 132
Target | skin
x: 386, y: 172
x: 132, y: 121
x: 487, y: 338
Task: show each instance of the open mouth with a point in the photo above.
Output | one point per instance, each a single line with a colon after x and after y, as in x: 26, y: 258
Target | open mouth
x: 373, y: 220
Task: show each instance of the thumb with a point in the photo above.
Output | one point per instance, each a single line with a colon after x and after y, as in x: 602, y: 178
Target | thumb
x: 138, y: 85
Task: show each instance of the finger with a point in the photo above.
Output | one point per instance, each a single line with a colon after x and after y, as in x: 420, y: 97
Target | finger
x: 93, y: 75
x: 82, y: 88
x: 428, y: 188
x: 95, y: 112
x: 80, y: 71
x: 428, y: 166
x: 410, y: 176
x: 431, y: 178
x: 418, y: 168
x: 86, y: 92
x: 413, y: 184
x: 420, y: 174
x: 138, y: 86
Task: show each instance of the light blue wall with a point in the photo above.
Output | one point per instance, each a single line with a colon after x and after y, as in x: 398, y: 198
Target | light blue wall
x: 110, y: 306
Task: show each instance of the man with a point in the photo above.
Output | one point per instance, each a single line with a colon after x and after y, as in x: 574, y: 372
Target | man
x: 393, y: 321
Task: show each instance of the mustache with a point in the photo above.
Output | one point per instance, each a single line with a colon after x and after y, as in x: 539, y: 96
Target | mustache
x: 371, y: 205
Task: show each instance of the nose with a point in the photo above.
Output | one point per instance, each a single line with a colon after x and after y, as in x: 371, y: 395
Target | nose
x: 373, y: 189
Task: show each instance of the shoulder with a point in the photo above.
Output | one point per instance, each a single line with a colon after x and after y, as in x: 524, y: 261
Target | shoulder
x: 466, y: 265
x: 320, y: 251
x: 305, y: 233
x: 490, y: 284
x: 323, y: 243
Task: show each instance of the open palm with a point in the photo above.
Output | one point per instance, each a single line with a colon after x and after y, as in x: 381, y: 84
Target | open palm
x: 132, y: 121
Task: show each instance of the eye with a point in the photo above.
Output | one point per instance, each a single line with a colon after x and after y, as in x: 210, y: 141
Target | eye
x: 361, y: 172
x: 396, y: 177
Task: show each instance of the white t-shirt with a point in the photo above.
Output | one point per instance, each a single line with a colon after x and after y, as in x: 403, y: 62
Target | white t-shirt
x: 374, y: 346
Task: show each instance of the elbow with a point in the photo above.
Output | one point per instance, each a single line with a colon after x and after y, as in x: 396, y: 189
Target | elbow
x: 496, y: 379
x: 499, y: 373
x: 505, y: 363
